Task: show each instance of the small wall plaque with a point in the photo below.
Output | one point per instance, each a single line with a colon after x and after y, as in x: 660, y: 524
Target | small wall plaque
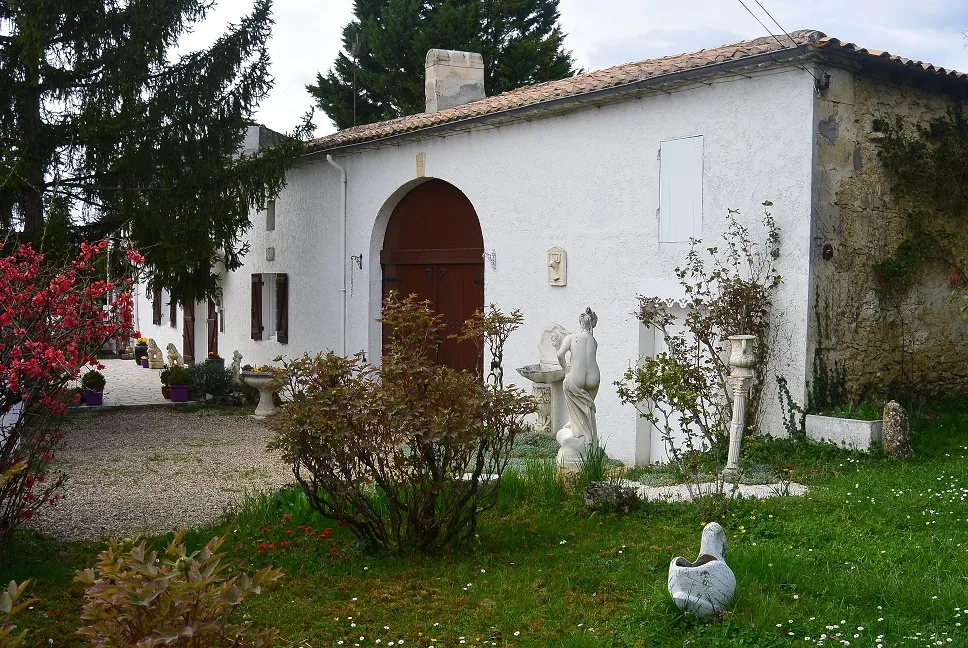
x: 420, y: 165
x: 557, y: 267
x: 270, y: 254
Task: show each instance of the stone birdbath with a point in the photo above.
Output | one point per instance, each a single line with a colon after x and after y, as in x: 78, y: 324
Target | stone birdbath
x: 268, y: 381
x: 547, y: 376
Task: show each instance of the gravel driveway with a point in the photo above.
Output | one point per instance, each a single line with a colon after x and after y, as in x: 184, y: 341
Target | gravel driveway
x: 153, y: 469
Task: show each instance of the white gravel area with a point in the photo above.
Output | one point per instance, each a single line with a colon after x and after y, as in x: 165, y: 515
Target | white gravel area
x: 151, y: 470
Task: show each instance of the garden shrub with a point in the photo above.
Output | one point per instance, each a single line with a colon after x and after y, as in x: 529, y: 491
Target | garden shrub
x: 53, y: 320
x: 206, y: 378
x: 9, y: 637
x: 136, y: 598
x: 729, y: 291
x: 179, y: 377
x: 406, y: 454
x: 93, y: 380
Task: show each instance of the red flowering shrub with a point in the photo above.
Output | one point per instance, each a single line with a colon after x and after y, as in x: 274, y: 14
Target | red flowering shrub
x: 53, y: 320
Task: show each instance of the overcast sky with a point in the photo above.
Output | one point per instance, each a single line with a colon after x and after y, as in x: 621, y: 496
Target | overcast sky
x: 601, y: 33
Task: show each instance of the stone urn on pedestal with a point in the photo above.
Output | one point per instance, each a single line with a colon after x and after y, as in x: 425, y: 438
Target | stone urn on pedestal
x: 268, y: 382
x: 742, y: 359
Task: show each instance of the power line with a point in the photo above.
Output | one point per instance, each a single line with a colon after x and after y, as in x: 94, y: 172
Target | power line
x: 775, y: 22
x: 755, y: 17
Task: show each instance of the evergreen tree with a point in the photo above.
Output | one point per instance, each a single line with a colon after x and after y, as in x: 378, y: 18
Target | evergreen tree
x: 98, y: 122
x: 520, y: 40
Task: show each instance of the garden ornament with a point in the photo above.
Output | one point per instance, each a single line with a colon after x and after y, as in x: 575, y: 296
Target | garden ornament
x: 175, y: 359
x: 581, y: 383
x: 236, y: 367
x: 155, y: 358
x: 704, y: 587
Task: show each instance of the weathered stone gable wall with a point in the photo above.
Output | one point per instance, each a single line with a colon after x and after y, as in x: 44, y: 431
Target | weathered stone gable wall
x: 914, y: 345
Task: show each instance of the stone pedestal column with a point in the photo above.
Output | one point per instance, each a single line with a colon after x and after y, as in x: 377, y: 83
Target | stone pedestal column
x: 741, y: 360
x: 542, y: 396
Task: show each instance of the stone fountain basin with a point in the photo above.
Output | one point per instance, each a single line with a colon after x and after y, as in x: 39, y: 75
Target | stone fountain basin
x: 542, y: 373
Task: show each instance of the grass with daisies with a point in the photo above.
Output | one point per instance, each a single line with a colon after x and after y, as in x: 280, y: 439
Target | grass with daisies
x: 875, y: 555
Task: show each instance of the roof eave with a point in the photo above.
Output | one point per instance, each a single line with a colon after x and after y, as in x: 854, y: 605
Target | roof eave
x: 593, y: 96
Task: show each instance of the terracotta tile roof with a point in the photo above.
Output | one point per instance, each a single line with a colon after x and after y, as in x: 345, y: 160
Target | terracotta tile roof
x: 829, y: 42
x: 613, y: 77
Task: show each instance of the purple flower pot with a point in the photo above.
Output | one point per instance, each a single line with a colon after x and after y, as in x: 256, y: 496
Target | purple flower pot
x: 144, y: 363
x: 92, y: 397
x: 179, y: 393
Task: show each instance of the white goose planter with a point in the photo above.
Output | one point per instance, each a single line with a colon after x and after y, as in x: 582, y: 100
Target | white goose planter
x: 705, y: 587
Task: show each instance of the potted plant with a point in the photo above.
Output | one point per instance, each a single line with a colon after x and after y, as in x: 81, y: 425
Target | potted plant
x: 140, y: 349
x: 215, y: 358
x: 144, y: 361
x: 93, y: 384
x: 165, y: 382
x: 179, y: 380
x: 857, y: 427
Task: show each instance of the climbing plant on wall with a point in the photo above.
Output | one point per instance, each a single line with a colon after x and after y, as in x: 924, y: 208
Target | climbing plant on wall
x: 928, y: 166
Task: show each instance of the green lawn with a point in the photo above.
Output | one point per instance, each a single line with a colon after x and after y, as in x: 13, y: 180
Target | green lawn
x: 876, y: 554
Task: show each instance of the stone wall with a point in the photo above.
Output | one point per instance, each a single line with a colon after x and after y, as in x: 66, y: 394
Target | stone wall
x: 912, y: 345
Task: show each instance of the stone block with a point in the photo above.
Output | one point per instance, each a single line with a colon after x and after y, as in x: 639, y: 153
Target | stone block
x: 610, y: 497
x: 897, y: 442
x: 849, y: 433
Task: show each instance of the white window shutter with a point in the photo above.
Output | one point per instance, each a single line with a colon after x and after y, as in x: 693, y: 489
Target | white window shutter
x: 680, y: 189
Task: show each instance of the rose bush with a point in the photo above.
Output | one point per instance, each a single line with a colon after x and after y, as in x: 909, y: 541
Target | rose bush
x: 53, y: 320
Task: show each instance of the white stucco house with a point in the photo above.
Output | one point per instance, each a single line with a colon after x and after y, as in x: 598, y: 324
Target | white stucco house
x: 618, y: 167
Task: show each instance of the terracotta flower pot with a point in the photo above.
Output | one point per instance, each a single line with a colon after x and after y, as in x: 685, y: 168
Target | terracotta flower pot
x: 166, y: 391
x: 92, y: 397
x: 179, y: 393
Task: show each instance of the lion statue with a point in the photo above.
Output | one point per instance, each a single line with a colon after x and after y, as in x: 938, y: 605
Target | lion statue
x: 175, y: 359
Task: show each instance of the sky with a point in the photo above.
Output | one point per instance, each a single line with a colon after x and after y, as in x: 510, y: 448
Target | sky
x: 601, y: 33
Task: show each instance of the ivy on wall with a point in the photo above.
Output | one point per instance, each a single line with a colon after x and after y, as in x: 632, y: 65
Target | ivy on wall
x: 928, y: 171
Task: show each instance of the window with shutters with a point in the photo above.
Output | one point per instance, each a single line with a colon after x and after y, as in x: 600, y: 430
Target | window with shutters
x: 270, y: 307
x: 172, y: 312
x: 156, y: 307
x: 680, y: 189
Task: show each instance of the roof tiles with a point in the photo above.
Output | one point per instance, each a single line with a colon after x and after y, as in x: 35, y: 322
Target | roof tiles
x: 618, y: 75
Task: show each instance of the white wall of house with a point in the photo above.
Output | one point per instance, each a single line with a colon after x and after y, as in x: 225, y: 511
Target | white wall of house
x: 587, y: 181
x: 165, y: 333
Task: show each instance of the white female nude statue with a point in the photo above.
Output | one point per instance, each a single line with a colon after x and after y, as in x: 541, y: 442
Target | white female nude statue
x: 582, y: 380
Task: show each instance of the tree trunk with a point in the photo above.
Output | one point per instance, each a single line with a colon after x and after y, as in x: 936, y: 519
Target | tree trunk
x: 32, y: 194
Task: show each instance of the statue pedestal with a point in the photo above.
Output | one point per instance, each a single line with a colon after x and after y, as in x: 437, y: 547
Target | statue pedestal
x: 571, y: 449
x: 549, y: 394
x: 542, y: 397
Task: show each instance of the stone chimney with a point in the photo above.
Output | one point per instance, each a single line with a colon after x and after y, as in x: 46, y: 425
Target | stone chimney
x: 453, y: 79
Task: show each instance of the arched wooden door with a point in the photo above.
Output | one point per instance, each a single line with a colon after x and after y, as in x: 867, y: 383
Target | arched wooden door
x: 434, y: 248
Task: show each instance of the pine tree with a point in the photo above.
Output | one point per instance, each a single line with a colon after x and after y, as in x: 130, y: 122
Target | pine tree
x: 95, y: 119
x: 520, y: 40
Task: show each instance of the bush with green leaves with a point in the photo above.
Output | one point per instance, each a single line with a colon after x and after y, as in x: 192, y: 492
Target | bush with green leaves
x: 683, y: 391
x: 134, y: 597
x: 179, y: 377
x: 93, y: 380
x: 9, y: 637
x: 209, y: 379
x: 406, y: 454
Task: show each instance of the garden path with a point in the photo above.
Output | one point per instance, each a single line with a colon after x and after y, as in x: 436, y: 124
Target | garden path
x: 150, y: 470
x: 128, y: 383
